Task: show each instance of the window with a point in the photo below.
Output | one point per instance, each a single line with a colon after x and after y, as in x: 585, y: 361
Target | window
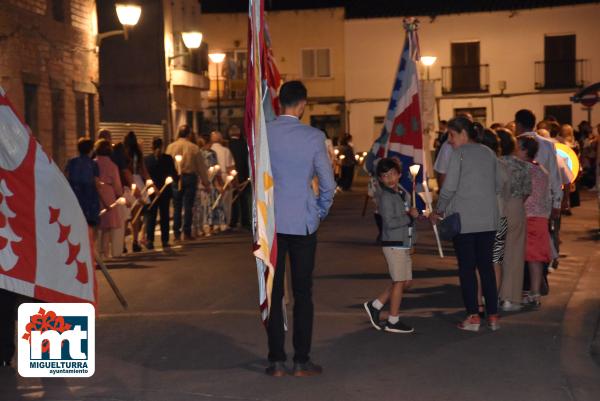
x: 189, y: 119
x: 465, y: 67
x: 330, y: 124
x: 316, y: 63
x: 91, y: 104
x: 58, y: 126
x: 559, y: 61
x: 563, y: 113
x: 479, y: 114
x: 378, y: 123
x: 58, y: 10
x: 80, y: 114
x: 31, y: 107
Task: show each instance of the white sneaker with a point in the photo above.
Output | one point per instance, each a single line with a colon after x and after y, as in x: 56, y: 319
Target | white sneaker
x: 508, y: 306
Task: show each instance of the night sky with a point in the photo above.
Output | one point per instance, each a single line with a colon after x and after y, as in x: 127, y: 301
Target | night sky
x: 389, y: 8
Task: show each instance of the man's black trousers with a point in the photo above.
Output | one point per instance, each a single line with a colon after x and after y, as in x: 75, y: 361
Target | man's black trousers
x: 8, y: 315
x: 301, y: 249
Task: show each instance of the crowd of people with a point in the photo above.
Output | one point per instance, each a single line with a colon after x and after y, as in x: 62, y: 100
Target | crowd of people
x: 510, y: 188
x: 122, y: 191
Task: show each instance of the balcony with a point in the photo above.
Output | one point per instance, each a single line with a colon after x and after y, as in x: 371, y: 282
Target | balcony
x: 458, y: 79
x: 229, y: 89
x: 559, y: 74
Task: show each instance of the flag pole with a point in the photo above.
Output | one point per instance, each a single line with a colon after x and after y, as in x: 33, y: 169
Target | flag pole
x: 110, y: 280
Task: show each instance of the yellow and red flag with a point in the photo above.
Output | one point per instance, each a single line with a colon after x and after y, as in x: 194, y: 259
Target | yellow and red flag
x: 263, y: 82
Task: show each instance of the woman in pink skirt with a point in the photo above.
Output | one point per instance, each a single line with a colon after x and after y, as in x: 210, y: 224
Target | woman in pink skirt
x: 110, y: 190
x: 537, y: 209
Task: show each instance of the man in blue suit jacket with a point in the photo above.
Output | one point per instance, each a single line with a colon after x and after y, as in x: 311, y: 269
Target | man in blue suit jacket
x: 298, y: 153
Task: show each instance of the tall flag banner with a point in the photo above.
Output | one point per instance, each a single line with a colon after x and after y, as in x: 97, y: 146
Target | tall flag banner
x: 401, y: 135
x: 45, y: 249
x: 262, y: 82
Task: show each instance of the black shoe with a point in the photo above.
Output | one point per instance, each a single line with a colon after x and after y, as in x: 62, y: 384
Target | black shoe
x: 124, y: 249
x: 276, y: 369
x: 307, y: 369
x: 149, y: 246
x: 135, y: 247
x: 177, y: 236
x: 398, y: 327
x: 373, y: 314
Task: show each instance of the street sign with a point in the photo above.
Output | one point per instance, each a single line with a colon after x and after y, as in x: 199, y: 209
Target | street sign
x: 589, y: 99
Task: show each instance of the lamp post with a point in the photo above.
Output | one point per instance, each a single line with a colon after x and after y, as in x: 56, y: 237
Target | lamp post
x: 428, y: 61
x: 129, y: 15
x: 218, y: 58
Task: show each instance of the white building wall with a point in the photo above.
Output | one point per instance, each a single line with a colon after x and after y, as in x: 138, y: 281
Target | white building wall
x: 509, y: 43
x: 290, y: 32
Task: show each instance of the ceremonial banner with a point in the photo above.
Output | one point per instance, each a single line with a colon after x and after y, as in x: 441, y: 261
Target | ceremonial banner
x: 263, y: 81
x: 45, y: 250
x: 401, y: 135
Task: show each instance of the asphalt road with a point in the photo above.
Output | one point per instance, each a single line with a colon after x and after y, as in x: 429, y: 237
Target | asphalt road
x: 192, y: 331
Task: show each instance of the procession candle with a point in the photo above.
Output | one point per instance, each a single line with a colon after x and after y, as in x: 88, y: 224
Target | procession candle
x: 149, y: 182
x: 357, y: 157
x: 342, y: 157
x: 169, y: 180
x: 414, y: 171
x: 178, y: 159
x: 336, y: 151
x: 150, y: 190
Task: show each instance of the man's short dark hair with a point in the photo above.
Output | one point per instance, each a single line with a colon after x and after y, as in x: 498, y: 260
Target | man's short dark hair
x: 85, y: 146
x: 184, y: 131
x: 525, y: 118
x: 529, y: 145
x: 157, y: 143
x: 291, y: 93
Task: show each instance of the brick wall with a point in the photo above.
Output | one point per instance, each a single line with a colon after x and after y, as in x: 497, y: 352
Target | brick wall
x: 52, y: 55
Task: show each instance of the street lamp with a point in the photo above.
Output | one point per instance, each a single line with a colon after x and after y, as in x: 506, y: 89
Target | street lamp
x: 128, y: 14
x: 428, y: 61
x: 218, y: 58
x: 191, y: 40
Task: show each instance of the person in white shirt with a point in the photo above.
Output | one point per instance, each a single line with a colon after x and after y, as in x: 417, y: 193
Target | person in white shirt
x: 227, y: 165
x: 442, y: 161
x: 546, y: 155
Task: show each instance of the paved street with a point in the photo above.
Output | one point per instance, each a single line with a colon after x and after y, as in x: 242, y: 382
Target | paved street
x: 192, y: 331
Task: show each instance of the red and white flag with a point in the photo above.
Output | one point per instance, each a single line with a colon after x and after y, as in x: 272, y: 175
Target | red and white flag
x: 45, y: 250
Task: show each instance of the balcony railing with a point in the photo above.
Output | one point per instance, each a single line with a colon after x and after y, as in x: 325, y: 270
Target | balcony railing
x: 559, y: 74
x: 229, y: 89
x: 465, y: 79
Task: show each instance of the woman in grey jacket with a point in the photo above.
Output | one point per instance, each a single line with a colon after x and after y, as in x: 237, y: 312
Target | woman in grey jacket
x: 470, y: 189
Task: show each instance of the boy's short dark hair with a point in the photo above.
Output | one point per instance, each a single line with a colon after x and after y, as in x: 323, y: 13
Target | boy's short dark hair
x: 85, y: 146
x: 291, y: 93
x: 529, y: 145
x: 525, y: 118
x: 388, y: 164
x: 157, y: 143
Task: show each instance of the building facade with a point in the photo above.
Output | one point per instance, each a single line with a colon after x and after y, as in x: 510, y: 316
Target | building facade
x: 49, y: 69
x: 307, y: 45
x: 150, y: 82
x: 489, y: 63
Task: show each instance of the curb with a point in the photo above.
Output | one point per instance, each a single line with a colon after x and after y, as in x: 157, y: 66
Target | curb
x: 580, y: 339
